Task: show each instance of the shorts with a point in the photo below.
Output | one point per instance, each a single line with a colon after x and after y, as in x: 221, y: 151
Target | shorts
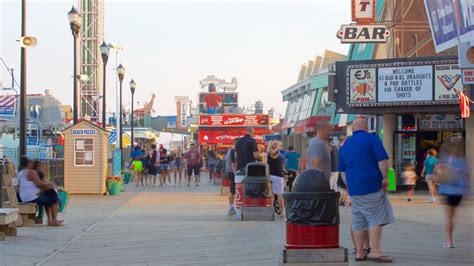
x: 137, y: 166
x: 211, y: 110
x: 453, y: 200
x: 277, y: 185
x: 177, y: 164
x: 164, y: 166
x: 211, y: 166
x: 428, y: 177
x: 194, y: 168
x: 46, y: 200
x: 153, y: 170
x: 231, y: 177
x: 371, y: 210
x: 410, y: 187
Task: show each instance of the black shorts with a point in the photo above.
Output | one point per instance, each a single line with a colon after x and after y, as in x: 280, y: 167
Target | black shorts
x: 231, y: 177
x: 194, y: 168
x: 453, y: 200
x: 46, y: 200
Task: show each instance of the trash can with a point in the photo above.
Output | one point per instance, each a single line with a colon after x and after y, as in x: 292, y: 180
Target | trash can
x: 312, y: 213
x: 239, y: 193
x: 257, y: 186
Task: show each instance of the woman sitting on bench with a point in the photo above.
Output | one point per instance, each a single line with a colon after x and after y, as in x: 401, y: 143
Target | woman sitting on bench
x: 31, y: 187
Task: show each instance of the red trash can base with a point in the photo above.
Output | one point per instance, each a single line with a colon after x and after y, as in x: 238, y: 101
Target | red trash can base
x: 306, y: 236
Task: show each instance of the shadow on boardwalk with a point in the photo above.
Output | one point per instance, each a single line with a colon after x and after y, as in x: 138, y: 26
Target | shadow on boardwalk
x: 188, y: 225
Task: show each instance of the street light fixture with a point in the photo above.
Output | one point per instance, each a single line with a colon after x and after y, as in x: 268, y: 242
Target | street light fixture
x: 121, y: 75
x: 75, y: 21
x: 133, y: 86
x: 104, y: 50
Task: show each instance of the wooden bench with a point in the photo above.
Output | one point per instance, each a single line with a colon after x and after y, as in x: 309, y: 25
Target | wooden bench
x: 8, y: 217
x: 27, y: 211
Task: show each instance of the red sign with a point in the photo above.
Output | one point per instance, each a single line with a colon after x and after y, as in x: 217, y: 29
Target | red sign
x: 233, y: 120
x: 227, y: 136
x: 363, y: 11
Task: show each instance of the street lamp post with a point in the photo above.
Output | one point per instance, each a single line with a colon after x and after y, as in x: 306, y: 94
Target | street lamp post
x: 104, y: 50
x: 22, y: 147
x: 133, y: 86
x: 121, y: 75
x: 75, y: 21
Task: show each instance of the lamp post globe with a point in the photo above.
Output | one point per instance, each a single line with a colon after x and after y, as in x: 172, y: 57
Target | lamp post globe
x: 133, y: 86
x: 104, y: 51
x: 75, y: 21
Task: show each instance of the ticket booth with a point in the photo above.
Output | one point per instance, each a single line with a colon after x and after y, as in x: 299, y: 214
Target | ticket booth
x: 85, y: 159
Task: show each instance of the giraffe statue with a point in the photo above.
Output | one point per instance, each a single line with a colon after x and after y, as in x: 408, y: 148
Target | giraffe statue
x: 147, y: 108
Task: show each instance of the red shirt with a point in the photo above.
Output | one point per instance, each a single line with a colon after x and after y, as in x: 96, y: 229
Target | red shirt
x: 193, y: 157
x: 212, y: 100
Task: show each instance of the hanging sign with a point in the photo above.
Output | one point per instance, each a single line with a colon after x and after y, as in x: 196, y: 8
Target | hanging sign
x: 405, y: 84
x: 447, y: 78
x: 363, y: 11
x: 441, y: 121
x: 363, y: 34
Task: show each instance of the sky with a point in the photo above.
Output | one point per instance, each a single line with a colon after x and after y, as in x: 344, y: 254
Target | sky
x: 169, y: 46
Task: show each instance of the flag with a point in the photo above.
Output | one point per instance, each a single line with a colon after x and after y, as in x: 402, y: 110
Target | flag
x: 464, y: 103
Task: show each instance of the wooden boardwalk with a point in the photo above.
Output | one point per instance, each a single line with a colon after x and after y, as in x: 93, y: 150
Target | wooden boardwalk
x: 189, y: 226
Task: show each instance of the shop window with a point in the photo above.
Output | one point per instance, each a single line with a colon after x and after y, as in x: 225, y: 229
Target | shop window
x: 84, y: 151
x: 406, y: 123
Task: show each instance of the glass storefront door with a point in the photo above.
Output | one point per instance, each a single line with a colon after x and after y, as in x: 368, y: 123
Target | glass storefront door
x: 405, y: 152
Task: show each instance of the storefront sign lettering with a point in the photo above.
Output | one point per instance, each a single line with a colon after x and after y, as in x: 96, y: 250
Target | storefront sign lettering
x: 84, y: 132
x: 363, y: 33
x: 233, y: 120
x: 362, y: 89
x: 405, y: 84
x: 468, y: 76
x: 442, y: 121
x: 447, y: 78
x: 363, y: 11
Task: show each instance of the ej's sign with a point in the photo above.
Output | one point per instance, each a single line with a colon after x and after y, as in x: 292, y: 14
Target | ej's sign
x: 363, y: 34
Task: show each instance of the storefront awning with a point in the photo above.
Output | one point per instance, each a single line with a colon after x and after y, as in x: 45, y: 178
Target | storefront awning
x: 227, y: 135
x: 309, y: 124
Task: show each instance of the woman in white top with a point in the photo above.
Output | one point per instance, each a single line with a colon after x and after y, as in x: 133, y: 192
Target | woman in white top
x: 31, y: 187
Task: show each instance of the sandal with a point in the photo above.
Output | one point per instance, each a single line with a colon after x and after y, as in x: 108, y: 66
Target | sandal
x: 364, y: 258
x: 447, y: 245
x: 381, y: 259
x: 367, y: 251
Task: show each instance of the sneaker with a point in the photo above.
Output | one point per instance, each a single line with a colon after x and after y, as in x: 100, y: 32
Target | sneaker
x: 447, y: 245
x: 409, y: 199
x: 231, y: 212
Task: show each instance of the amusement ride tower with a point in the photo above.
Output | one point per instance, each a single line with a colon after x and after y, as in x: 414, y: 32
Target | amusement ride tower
x: 91, y: 37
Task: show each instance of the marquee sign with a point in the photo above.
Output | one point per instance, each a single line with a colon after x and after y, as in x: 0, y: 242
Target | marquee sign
x: 230, y: 120
x: 399, y: 83
x: 363, y: 11
x: 376, y: 33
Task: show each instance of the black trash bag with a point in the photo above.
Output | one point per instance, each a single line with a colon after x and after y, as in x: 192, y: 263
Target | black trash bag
x: 312, y: 208
x: 257, y: 187
x: 311, y: 180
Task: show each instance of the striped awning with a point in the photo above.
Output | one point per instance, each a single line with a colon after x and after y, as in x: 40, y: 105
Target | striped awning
x: 112, y: 137
x: 7, y: 104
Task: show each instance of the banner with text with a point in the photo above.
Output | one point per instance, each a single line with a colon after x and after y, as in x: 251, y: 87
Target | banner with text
x: 233, y: 120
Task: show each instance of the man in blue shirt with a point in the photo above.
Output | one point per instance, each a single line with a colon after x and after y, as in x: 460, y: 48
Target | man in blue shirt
x: 363, y: 166
x: 292, y: 162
